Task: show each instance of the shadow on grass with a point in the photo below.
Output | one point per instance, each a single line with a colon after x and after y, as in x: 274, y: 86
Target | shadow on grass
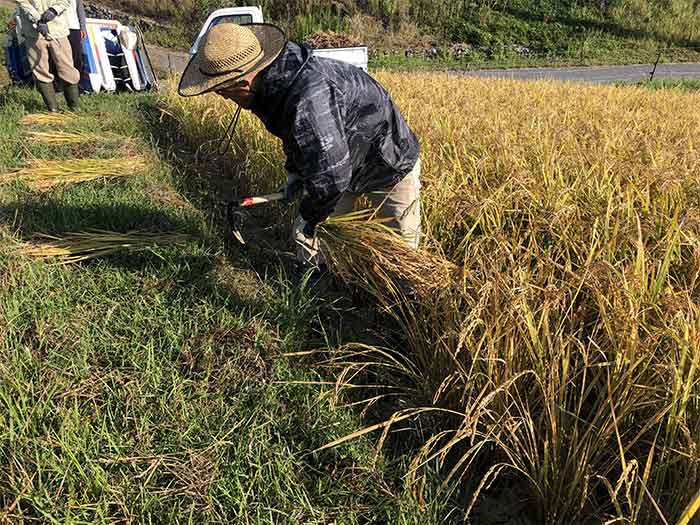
x: 197, y: 274
x: 41, y: 213
x: 209, y: 181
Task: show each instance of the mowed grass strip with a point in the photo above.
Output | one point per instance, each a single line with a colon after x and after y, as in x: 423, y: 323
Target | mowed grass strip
x: 150, y: 387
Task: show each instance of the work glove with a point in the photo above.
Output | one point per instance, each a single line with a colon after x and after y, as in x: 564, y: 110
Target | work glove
x: 48, y: 15
x: 309, y: 230
x: 43, y: 29
x: 293, y: 188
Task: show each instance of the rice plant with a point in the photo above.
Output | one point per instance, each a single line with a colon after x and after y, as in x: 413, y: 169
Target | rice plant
x: 76, y: 247
x: 44, y: 174
x: 564, y: 345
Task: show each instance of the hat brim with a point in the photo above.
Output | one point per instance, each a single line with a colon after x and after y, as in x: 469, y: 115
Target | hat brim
x: 193, y: 82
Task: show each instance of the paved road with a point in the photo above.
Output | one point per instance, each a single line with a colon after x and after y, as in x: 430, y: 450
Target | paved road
x: 596, y: 74
x: 175, y: 61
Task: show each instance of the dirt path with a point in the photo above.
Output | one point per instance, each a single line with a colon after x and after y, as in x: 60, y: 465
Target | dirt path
x: 166, y: 60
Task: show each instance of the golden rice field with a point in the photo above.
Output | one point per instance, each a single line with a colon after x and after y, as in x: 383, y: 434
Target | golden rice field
x: 562, y: 355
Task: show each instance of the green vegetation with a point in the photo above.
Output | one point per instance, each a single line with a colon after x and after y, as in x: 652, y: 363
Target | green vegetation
x: 152, y: 387
x: 506, y: 32
x: 4, y: 77
x: 686, y: 85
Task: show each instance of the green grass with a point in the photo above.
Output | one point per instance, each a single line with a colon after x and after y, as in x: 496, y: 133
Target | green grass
x: 510, y: 59
x: 152, y: 387
x: 173, y: 37
x: 4, y: 77
x: 686, y: 85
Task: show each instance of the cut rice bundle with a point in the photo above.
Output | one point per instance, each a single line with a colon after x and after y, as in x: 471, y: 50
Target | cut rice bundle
x: 85, y: 245
x: 57, y: 119
x: 363, y: 250
x: 44, y: 174
x: 58, y: 138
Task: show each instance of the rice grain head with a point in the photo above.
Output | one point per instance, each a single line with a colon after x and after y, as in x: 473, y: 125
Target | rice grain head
x: 362, y: 250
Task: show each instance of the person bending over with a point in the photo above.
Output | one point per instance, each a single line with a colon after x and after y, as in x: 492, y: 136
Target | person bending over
x: 342, y: 134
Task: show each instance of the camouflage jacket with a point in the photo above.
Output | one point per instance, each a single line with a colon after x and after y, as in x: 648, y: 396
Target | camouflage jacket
x: 339, y: 128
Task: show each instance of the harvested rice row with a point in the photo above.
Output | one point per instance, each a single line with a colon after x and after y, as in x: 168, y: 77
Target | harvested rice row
x: 44, y: 174
x: 82, y: 246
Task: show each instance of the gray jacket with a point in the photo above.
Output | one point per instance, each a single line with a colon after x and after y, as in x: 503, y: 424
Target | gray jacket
x: 340, y: 129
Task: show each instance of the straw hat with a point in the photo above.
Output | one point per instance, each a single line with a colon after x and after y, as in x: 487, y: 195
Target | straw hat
x: 228, y: 52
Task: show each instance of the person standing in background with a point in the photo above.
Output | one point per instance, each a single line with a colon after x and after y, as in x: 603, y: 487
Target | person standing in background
x: 46, y: 32
x: 75, y: 15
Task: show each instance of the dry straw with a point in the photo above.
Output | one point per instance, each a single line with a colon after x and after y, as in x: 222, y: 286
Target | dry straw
x: 82, y: 246
x: 44, y: 174
x: 57, y: 119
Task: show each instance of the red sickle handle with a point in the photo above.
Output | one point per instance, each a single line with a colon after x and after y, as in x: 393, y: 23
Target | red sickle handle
x: 261, y: 199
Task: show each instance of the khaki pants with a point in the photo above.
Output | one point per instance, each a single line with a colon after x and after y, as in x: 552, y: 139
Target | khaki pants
x: 59, y: 50
x: 400, y: 204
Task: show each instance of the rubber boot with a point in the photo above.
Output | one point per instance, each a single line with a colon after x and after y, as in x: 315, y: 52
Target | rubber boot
x: 49, y: 95
x: 72, y: 93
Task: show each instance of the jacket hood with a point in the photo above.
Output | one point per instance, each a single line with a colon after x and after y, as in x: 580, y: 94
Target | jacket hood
x: 276, y: 82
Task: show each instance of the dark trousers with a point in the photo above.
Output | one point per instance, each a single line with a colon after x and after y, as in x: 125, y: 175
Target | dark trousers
x: 76, y: 46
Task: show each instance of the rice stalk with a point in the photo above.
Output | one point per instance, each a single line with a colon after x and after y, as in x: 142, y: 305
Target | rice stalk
x: 44, y: 174
x: 82, y: 246
x: 58, y: 119
x: 690, y: 511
